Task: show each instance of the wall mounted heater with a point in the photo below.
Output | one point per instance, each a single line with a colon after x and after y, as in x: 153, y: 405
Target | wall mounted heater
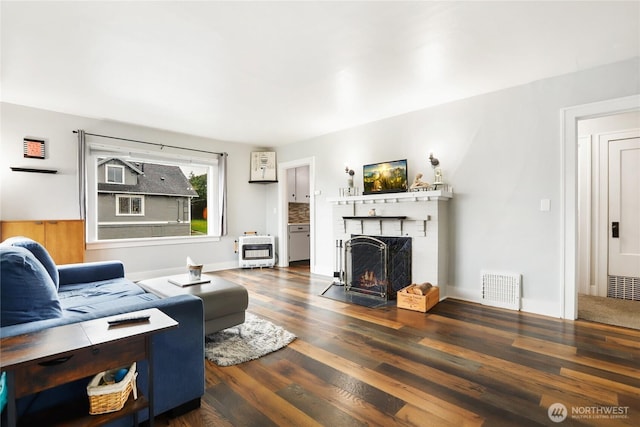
x: 501, y: 289
x: 256, y: 251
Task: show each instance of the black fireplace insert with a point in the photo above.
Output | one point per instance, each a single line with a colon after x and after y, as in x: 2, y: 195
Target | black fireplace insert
x: 377, y: 265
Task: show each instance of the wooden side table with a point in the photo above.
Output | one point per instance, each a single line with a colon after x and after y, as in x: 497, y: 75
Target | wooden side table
x: 54, y: 356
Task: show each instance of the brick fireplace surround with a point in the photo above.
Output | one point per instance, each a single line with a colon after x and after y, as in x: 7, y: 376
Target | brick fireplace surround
x: 421, y: 215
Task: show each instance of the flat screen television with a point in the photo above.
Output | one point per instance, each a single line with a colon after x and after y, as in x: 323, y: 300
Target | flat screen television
x: 385, y: 177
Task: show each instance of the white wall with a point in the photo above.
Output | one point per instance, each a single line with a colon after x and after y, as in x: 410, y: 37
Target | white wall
x: 502, y: 154
x: 40, y: 196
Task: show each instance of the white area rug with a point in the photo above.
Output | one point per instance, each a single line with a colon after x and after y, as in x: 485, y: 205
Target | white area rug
x: 251, y: 340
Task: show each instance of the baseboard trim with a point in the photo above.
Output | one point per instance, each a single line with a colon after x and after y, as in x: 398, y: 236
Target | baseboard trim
x: 543, y: 308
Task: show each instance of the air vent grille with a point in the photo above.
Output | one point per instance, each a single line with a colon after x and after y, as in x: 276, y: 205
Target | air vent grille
x: 624, y: 287
x: 501, y: 289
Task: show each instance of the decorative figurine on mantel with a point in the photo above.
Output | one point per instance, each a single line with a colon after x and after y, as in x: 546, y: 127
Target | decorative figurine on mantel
x: 419, y: 184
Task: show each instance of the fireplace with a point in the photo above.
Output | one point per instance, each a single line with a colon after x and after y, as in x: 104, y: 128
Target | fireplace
x: 378, y: 266
x: 421, y: 216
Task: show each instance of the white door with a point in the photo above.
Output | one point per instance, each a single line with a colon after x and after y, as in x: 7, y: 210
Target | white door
x: 624, y: 210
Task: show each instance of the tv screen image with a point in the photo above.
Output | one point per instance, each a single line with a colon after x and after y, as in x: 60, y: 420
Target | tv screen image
x: 385, y: 177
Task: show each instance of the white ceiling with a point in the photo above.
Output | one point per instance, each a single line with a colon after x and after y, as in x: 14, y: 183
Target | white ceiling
x: 271, y: 73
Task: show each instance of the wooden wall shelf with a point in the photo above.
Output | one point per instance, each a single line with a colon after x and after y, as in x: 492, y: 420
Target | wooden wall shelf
x: 36, y: 170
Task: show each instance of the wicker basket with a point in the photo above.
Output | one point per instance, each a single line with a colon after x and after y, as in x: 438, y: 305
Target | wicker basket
x: 111, y: 397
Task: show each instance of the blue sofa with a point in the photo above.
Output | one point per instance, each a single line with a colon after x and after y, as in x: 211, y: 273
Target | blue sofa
x: 36, y: 294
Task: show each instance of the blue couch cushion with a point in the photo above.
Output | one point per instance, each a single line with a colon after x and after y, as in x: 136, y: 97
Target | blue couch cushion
x: 108, y: 307
x: 27, y: 291
x: 80, y: 296
x: 39, y: 252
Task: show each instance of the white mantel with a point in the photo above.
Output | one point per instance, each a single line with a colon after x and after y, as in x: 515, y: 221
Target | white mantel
x: 422, y: 215
x: 410, y: 196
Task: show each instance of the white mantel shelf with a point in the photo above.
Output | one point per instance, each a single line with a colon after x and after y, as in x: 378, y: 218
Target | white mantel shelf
x: 410, y: 196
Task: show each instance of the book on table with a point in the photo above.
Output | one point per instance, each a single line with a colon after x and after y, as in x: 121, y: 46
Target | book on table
x: 184, y: 280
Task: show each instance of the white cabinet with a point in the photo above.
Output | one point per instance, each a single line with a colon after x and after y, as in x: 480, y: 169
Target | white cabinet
x: 291, y: 185
x: 298, y: 184
x: 302, y: 184
x: 299, y: 242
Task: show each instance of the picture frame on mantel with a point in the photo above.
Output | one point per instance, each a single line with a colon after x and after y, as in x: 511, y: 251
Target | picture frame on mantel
x: 263, y: 168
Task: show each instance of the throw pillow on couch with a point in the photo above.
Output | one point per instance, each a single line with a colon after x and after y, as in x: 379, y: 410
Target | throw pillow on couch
x: 39, y: 252
x: 27, y: 289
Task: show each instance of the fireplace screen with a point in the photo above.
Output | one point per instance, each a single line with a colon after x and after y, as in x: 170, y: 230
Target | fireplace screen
x: 377, y: 266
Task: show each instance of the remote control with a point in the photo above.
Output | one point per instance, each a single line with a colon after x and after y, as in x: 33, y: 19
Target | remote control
x: 128, y: 319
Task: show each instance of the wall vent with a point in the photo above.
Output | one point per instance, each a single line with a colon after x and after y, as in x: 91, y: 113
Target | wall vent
x: 501, y: 289
x: 624, y: 287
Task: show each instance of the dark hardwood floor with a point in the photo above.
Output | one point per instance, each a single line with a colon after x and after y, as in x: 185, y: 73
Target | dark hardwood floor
x: 461, y: 364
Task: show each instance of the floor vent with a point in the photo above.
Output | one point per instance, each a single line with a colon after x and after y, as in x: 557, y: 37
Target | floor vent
x: 501, y: 289
x: 624, y: 288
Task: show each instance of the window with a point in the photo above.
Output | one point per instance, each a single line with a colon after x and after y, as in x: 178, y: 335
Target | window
x: 129, y: 205
x: 160, y: 195
x: 114, y: 174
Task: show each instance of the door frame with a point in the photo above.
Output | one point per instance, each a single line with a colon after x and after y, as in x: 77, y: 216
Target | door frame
x: 569, y: 189
x: 283, y: 207
x: 585, y: 237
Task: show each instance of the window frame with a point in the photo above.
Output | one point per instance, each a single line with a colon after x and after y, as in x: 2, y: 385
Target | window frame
x: 97, y: 151
x: 130, y: 197
x: 106, y: 173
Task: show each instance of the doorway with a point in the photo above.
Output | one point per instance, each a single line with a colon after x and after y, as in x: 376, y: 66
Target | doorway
x: 302, y: 200
x: 570, y: 175
x: 608, y: 200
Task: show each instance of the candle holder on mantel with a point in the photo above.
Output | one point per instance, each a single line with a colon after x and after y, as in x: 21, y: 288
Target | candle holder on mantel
x: 437, y: 172
x: 350, y: 190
